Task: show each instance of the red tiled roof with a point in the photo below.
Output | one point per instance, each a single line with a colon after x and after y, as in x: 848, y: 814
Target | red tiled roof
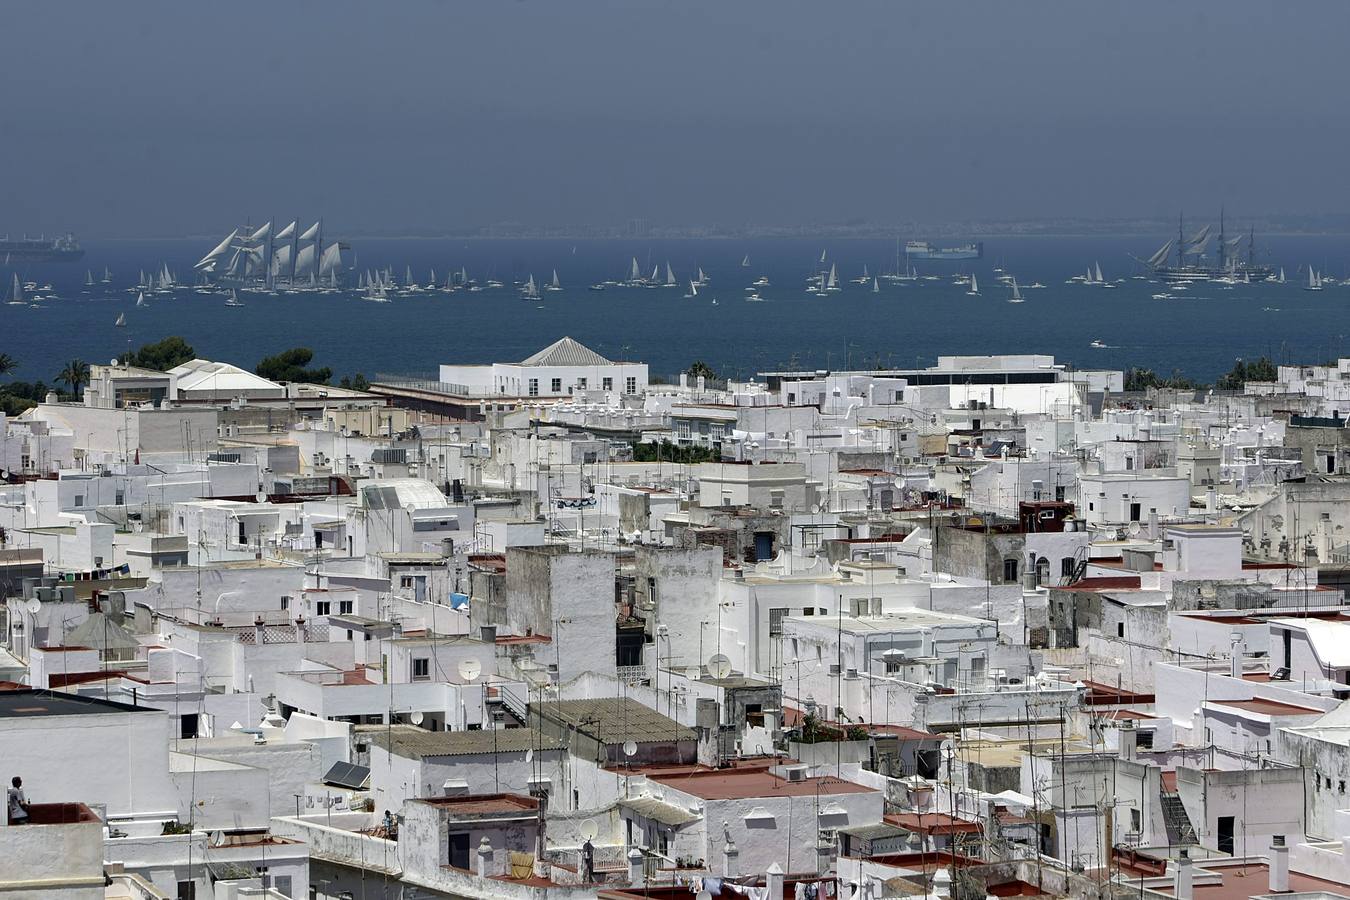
x: 1269, y: 707
x: 1102, y: 583
x: 745, y: 785
x: 933, y: 823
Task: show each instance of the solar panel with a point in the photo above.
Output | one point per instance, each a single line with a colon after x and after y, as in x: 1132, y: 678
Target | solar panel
x: 347, y: 775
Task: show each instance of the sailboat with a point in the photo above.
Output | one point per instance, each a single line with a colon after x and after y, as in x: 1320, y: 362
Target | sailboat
x: 670, y: 276
x: 121, y: 320
x: 1016, y: 293
x: 88, y: 278
x: 140, y: 299
x: 233, y: 300
x: 974, y: 286
x: 16, y: 293
x: 693, y: 290
x: 107, y: 275
x: 745, y: 263
x: 1314, y: 280
x: 635, y: 275
x: 876, y: 286
x: 863, y: 278
x: 555, y: 284
x: 530, y: 291
x: 702, y: 280
x: 833, y: 283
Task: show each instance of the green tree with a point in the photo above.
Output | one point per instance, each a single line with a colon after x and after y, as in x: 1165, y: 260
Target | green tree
x: 161, y: 355
x: 1261, y: 369
x: 289, y: 365
x: 702, y: 368
x: 8, y: 364
x: 75, y: 374
x: 355, y: 382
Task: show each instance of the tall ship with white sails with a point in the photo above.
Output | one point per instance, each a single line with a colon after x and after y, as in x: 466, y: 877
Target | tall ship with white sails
x: 1192, y: 259
x: 259, y: 258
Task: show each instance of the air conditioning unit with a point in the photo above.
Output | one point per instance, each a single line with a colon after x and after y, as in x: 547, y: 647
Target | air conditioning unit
x: 834, y: 668
x: 796, y: 773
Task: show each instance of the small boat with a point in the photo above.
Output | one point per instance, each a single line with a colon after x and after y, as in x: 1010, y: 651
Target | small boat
x: 107, y: 275
x: 670, y: 276
x: 16, y: 297
x: 598, y: 286
x: 1314, y: 280
x: 863, y: 278
x: 1098, y: 345
x: 121, y: 321
x: 876, y: 286
x: 754, y: 298
x: 974, y: 286
x: 702, y: 279
x: 761, y: 281
x: 714, y: 303
x: 88, y: 278
x: 693, y: 290
x: 530, y: 291
x: 1016, y: 294
x: 233, y: 300
x: 832, y: 284
x: 140, y: 299
x: 554, y: 285
x: 745, y: 263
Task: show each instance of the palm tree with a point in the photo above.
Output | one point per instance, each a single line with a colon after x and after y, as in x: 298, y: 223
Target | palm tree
x: 75, y: 374
x: 8, y: 364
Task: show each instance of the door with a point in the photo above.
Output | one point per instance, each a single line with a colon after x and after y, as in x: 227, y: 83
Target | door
x: 420, y: 588
x: 763, y: 545
x: 459, y: 850
x: 1226, y: 835
x: 1134, y: 512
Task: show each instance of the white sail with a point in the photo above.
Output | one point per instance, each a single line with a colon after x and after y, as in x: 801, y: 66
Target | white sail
x: 1097, y: 275
x: 281, y: 260
x: 262, y: 233
x: 1281, y: 274
x: 88, y: 277
x: 121, y: 320
x: 1016, y: 292
x: 670, y: 276
x: 876, y: 286
x: 833, y: 281
x: 140, y: 299
x: 304, y: 260
x: 693, y: 288
x: 218, y: 251
x: 974, y: 284
x: 1161, y: 255
x: 636, y: 274
x: 556, y: 285
x: 701, y: 277
x: 311, y: 232
x: 286, y: 232
x: 16, y: 295
x: 656, y: 274
x: 331, y: 260
x: 745, y: 263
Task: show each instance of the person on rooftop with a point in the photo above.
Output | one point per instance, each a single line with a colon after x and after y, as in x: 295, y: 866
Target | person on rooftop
x: 17, y: 803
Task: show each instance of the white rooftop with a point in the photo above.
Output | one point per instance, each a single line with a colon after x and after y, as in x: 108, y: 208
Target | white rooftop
x: 204, y: 375
x: 566, y: 352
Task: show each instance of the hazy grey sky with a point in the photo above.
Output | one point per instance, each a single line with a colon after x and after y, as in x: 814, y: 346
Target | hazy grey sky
x: 142, y: 118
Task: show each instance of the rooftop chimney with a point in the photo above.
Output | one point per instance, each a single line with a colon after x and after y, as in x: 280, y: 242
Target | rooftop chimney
x: 1279, y: 865
x: 1128, y: 739
x: 773, y: 881
x: 1184, y: 875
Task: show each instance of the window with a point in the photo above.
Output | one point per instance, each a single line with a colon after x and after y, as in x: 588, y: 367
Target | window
x: 556, y: 385
x: 775, y: 499
x: 808, y: 611
x: 1136, y: 821
x: 323, y: 608
x: 79, y: 500
x: 349, y: 635
x: 607, y: 384
x: 119, y: 498
x: 421, y: 669
x: 630, y: 385
x: 534, y: 387
x: 1120, y: 629
x: 285, y: 602
x: 345, y: 607
x: 1066, y: 567
x: 1144, y: 740
x: 1009, y: 570
x: 187, y: 890
x: 776, y: 622
x: 581, y: 384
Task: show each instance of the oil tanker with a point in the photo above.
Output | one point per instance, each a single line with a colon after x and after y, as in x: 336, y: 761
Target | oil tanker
x: 40, y: 249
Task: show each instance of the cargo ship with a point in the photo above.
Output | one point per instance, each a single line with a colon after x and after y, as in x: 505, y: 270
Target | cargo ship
x: 40, y: 249
x: 925, y: 250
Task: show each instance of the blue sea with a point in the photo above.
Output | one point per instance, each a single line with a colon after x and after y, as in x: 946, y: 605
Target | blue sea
x: 1199, y: 332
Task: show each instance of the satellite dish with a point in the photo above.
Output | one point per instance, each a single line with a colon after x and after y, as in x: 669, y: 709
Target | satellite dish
x: 114, y: 361
x: 416, y: 718
x: 589, y: 829
x: 261, y: 496
x: 1134, y: 529
x: 719, y: 666
x: 529, y: 755
x: 217, y: 838
x: 629, y: 748
x: 34, y: 606
x: 470, y: 669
